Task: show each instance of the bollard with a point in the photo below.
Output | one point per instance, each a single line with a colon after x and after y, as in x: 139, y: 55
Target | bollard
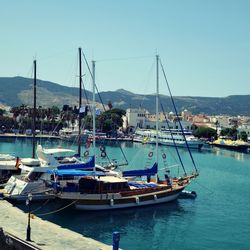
x: 116, y: 239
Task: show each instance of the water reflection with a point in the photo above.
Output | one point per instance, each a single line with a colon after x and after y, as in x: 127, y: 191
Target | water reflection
x: 146, y: 222
x: 240, y: 156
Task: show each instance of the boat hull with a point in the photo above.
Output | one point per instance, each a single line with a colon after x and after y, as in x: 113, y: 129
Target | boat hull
x: 35, y: 197
x: 238, y: 148
x: 182, y: 145
x: 128, y: 202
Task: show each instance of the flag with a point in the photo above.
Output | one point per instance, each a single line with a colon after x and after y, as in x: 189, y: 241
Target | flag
x: 98, y: 112
x: 82, y: 110
x: 88, y: 142
x: 18, y: 162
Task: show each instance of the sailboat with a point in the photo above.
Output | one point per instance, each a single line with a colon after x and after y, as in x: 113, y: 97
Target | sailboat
x: 97, y: 191
x: 34, y: 177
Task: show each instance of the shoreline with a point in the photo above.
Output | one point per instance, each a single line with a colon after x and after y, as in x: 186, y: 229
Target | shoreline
x: 11, y: 135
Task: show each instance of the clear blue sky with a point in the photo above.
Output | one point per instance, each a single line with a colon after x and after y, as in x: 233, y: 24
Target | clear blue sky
x: 204, y: 45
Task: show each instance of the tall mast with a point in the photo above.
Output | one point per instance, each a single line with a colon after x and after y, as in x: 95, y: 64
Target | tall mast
x: 157, y: 107
x: 80, y: 101
x: 34, y: 113
x: 94, y: 107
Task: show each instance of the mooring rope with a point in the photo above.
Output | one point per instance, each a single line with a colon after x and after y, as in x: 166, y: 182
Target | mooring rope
x: 58, y: 210
x: 40, y: 206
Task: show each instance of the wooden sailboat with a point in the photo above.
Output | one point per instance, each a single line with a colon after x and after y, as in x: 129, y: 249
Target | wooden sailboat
x: 97, y: 191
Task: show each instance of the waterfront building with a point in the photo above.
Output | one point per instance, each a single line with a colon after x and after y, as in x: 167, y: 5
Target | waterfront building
x: 245, y: 126
x: 134, y: 118
x: 141, y: 118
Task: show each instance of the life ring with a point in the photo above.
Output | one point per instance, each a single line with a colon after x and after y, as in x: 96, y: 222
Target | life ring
x: 102, y: 148
x: 164, y: 156
x: 86, y: 153
x: 103, y: 154
x: 150, y: 154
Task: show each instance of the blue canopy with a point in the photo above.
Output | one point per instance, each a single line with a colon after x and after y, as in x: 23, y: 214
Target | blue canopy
x: 87, y: 165
x: 75, y: 172
x: 142, y: 172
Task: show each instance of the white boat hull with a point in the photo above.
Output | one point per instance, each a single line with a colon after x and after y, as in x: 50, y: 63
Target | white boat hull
x: 192, y: 145
x: 17, y: 189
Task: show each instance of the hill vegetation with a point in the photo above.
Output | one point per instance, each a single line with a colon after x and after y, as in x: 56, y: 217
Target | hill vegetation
x: 15, y: 91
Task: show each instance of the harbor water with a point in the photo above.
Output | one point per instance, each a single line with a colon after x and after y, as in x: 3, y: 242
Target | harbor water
x: 217, y: 219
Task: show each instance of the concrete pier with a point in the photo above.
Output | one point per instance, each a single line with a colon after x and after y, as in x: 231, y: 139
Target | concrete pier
x: 44, y: 234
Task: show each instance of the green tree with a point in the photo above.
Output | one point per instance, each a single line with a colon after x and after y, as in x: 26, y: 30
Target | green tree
x: 205, y: 132
x: 55, y: 111
x: 108, y: 121
x: 229, y: 132
x: 243, y: 135
x: 88, y: 122
x: 2, y: 112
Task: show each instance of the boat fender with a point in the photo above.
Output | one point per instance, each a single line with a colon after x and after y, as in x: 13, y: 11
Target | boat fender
x: 112, y: 202
x: 194, y: 194
x: 86, y: 153
x: 150, y: 154
x: 103, y: 154
x: 164, y: 156
x: 137, y: 200
x: 102, y: 148
x: 155, y: 197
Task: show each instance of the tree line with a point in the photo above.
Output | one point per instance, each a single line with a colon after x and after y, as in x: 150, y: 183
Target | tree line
x: 54, y: 119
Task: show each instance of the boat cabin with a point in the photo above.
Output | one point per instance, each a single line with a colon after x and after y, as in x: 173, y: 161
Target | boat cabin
x: 103, y: 184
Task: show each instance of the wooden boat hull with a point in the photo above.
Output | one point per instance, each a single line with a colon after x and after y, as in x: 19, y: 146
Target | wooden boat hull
x: 128, y: 202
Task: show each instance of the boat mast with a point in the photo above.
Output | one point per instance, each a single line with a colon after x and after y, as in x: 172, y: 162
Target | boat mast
x: 80, y: 101
x: 157, y: 108
x: 94, y: 107
x: 34, y: 113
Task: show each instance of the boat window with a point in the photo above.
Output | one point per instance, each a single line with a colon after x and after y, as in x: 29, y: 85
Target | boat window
x: 34, y: 176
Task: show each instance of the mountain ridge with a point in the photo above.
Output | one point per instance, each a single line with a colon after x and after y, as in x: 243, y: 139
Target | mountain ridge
x: 15, y: 91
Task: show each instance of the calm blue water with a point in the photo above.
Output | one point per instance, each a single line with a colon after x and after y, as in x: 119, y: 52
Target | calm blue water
x: 219, y: 218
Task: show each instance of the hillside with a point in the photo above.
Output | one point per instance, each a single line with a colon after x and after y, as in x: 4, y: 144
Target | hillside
x: 18, y: 90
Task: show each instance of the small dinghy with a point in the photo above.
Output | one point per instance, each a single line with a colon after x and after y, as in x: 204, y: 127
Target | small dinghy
x: 187, y: 195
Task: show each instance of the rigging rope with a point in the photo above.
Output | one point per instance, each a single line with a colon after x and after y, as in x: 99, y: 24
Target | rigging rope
x: 177, y: 151
x: 92, y: 78
x: 99, y: 95
x: 124, y: 58
x: 170, y: 93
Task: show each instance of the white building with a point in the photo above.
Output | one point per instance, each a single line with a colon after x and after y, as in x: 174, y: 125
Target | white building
x: 135, y: 118
x: 140, y: 118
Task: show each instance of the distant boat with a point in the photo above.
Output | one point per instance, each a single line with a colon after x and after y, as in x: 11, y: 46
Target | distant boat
x: 169, y: 137
x: 237, y: 145
x: 72, y: 135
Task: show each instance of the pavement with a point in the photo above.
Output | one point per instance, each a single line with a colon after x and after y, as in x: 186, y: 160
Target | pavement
x: 44, y: 234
